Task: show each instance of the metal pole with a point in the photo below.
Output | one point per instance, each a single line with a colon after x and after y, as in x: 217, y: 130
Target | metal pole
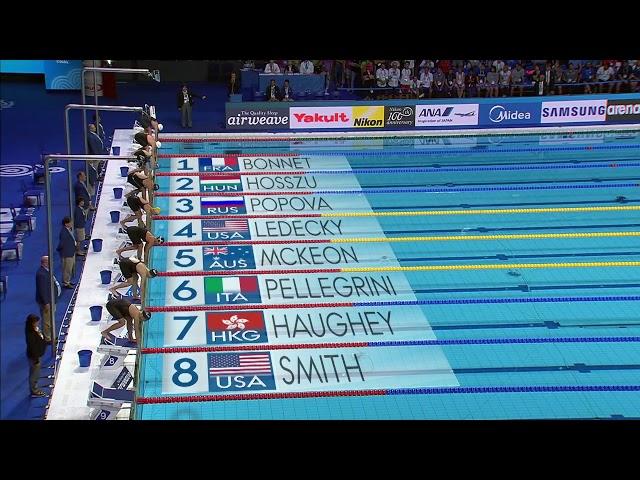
x: 52, y: 286
x: 73, y: 106
x: 69, y: 172
x: 84, y: 117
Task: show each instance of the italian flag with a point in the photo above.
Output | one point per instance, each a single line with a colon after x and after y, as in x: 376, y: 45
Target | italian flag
x: 231, y: 284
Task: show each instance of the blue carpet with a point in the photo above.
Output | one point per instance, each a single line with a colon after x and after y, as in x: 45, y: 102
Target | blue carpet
x: 35, y: 125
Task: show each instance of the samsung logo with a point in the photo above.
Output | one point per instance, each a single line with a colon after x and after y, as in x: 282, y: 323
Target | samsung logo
x: 576, y: 111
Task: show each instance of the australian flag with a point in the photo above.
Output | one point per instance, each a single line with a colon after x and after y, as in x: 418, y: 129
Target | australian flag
x: 228, y: 257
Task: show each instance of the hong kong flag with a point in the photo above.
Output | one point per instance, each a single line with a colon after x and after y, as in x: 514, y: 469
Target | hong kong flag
x: 236, y: 327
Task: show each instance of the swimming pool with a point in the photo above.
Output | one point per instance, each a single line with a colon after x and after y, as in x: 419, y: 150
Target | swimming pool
x: 466, y: 277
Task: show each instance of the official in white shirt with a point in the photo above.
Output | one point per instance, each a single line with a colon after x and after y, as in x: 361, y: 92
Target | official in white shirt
x: 272, y: 67
x: 306, y: 67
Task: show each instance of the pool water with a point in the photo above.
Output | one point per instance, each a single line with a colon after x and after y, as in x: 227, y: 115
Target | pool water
x: 470, y: 277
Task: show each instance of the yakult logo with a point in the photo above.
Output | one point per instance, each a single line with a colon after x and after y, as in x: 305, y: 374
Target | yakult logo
x: 320, y: 117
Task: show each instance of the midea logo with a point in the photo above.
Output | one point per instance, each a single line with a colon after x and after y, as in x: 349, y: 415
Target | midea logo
x: 498, y: 113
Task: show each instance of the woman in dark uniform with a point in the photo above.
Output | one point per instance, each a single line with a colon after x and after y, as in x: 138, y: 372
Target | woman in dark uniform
x: 137, y: 204
x: 36, y: 345
x: 132, y: 269
x: 137, y: 235
x: 123, y: 312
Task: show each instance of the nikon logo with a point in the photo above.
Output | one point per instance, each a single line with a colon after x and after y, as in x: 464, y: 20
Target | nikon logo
x: 367, y: 122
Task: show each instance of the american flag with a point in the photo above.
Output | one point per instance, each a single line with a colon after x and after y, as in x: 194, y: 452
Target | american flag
x: 216, y: 250
x: 225, y: 225
x: 239, y: 364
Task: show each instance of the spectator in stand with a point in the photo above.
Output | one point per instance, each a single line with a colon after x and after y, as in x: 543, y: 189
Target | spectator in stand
x: 604, y: 74
x: 471, y: 83
x: 67, y: 250
x: 538, y: 80
x: 234, y: 84
x: 459, y: 82
x: 405, y: 77
x: 445, y: 66
x: 426, y: 79
x: 517, y: 78
x: 36, y: 346
x: 352, y: 70
x: 499, y: 64
x: 287, y: 93
x: 415, y: 86
x: 306, y: 67
x: 482, y: 80
x: 368, y: 81
x: 43, y: 295
x: 79, y: 223
x: 492, y: 82
x: 440, y: 85
x: 272, y: 67
x: 289, y: 68
x: 394, y: 74
x: 273, y: 91
x: 556, y: 77
x: 586, y: 76
x: 382, y: 75
x: 339, y: 76
x: 634, y: 76
x: 570, y: 76
x: 622, y: 76
x: 505, y: 80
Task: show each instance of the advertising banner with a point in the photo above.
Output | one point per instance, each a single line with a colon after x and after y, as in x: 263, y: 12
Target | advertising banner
x: 623, y: 111
x: 447, y: 115
x: 509, y: 114
x: 245, y: 117
x: 321, y: 117
x: 574, y: 111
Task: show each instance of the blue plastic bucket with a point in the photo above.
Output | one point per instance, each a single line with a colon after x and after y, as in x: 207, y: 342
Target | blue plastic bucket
x: 116, y: 150
x: 85, y: 357
x: 117, y: 192
x: 105, y: 276
x: 115, y: 216
x: 96, y: 313
x: 97, y: 244
x: 124, y: 171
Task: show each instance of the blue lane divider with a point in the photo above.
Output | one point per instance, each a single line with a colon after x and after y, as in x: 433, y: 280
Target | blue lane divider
x: 515, y: 389
x: 531, y: 229
x: 498, y: 341
x: 506, y: 205
x: 517, y: 182
x: 472, y: 301
x: 474, y: 189
x: 505, y: 257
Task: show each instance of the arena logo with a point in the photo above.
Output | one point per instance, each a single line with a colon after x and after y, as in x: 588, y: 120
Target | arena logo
x: 275, y: 118
x: 623, y: 110
x: 403, y: 115
x: 446, y: 115
x: 574, y: 111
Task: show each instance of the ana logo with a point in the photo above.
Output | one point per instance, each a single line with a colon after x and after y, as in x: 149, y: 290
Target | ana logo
x: 368, y: 117
x: 231, y: 371
x: 236, y: 327
x: 498, y: 113
x: 436, y: 112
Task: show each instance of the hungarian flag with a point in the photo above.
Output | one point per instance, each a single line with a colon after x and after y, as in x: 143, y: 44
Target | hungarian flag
x: 221, y: 183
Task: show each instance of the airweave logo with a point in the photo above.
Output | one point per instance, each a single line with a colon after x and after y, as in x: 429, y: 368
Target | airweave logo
x: 257, y: 119
x: 446, y: 115
x: 368, y: 117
